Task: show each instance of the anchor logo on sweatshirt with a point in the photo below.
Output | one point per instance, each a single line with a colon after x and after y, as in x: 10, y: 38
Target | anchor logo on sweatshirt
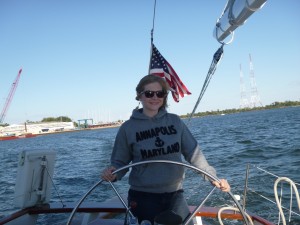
x: 159, y: 142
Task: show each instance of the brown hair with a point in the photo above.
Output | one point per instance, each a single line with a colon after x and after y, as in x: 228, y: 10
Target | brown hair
x: 148, y: 79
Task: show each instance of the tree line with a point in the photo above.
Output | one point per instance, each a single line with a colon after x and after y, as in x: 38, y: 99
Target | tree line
x: 274, y: 105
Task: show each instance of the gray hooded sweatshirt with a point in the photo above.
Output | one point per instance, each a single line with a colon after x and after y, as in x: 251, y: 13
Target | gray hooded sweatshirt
x: 162, y: 137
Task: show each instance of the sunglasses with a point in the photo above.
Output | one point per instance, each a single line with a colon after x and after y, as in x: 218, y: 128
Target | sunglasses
x: 150, y: 94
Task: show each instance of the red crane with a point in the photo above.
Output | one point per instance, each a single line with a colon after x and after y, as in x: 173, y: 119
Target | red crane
x: 10, y: 96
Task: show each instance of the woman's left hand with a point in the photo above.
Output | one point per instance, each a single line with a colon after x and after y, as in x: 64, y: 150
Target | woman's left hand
x: 222, y: 185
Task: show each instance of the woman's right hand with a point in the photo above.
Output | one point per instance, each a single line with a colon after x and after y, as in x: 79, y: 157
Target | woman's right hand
x: 107, y: 174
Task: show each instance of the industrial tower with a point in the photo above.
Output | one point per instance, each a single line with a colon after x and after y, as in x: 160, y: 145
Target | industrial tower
x: 254, y: 97
x: 10, y: 96
x: 244, y: 103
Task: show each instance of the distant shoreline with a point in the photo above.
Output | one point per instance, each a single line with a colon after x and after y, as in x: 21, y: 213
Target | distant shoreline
x: 81, y: 129
x: 275, y: 105
x: 21, y: 132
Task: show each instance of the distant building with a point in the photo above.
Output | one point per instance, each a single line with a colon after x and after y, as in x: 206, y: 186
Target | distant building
x: 36, y: 128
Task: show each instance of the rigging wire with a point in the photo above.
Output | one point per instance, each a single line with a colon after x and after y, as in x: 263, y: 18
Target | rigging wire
x: 272, y: 174
x: 216, y: 59
x: 152, y: 31
x: 56, y: 189
x: 153, y: 21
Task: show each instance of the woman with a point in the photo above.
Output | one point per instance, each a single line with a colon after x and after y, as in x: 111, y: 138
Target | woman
x: 152, y: 133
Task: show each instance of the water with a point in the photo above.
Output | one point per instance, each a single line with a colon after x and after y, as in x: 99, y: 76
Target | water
x: 269, y: 139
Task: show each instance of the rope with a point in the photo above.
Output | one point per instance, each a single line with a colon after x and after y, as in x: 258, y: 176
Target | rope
x: 229, y: 4
x: 216, y: 58
x: 234, y: 209
x: 264, y: 197
x: 278, y: 202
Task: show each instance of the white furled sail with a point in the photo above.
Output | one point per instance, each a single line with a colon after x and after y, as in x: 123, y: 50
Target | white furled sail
x: 234, y: 15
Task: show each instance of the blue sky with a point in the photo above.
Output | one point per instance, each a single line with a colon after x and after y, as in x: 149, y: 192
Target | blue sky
x: 83, y: 59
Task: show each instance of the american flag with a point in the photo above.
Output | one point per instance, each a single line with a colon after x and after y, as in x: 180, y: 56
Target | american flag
x: 160, y: 66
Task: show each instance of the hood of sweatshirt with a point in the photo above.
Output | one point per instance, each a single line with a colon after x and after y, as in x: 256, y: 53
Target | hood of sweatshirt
x: 139, y: 115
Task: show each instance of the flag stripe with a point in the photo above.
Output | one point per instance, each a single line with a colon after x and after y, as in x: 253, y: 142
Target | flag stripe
x: 159, y: 66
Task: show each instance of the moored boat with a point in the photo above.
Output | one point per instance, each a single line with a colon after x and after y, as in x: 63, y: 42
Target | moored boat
x: 13, y: 136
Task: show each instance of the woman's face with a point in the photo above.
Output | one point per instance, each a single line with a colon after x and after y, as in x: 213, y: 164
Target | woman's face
x: 151, y: 105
